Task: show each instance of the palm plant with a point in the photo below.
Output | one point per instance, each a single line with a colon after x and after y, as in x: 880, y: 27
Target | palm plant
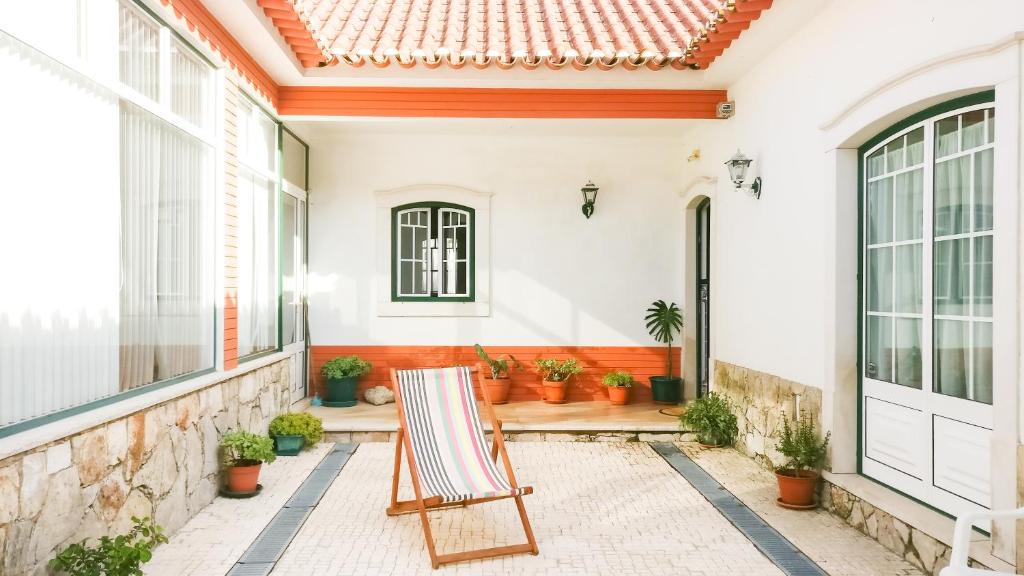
x: 662, y: 321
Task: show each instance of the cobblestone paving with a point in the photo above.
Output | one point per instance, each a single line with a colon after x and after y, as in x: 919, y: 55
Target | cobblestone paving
x: 599, y: 508
x: 211, y: 542
x: 836, y: 547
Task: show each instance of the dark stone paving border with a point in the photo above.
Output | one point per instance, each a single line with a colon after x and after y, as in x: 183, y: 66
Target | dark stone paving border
x: 775, y: 546
x: 261, y: 556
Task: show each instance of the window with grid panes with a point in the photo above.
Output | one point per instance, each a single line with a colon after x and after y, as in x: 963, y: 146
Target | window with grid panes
x: 432, y: 257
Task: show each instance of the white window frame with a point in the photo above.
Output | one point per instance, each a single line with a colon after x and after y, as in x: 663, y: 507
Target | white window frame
x: 248, y: 168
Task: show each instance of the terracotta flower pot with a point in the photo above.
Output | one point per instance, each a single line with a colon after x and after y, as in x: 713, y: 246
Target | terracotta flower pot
x: 555, y: 392
x: 618, y: 395
x: 797, y: 488
x: 243, y: 476
x: 497, y: 389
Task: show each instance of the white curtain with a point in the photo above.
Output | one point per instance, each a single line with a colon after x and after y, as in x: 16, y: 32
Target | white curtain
x: 58, y: 237
x: 257, y: 265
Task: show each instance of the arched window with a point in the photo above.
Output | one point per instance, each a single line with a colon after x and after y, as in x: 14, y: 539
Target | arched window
x: 928, y: 231
x: 433, y: 254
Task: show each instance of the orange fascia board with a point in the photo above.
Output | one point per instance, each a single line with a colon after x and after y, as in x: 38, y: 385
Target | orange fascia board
x: 497, y: 102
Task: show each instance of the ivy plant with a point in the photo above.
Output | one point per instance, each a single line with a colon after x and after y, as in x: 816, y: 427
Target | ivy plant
x: 712, y: 418
x: 298, y: 424
x: 805, y: 450
x: 241, y: 446
x: 122, y: 555
x: 618, y: 379
x: 500, y: 367
x: 345, y: 367
x: 558, y: 370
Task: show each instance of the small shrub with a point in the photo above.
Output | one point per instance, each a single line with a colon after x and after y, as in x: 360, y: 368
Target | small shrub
x: 500, y: 367
x: 618, y: 379
x: 122, y: 555
x: 712, y: 418
x: 558, y: 370
x: 240, y: 445
x: 345, y: 367
x: 804, y: 449
x: 298, y: 424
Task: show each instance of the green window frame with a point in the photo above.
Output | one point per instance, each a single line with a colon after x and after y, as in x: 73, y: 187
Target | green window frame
x: 433, y: 222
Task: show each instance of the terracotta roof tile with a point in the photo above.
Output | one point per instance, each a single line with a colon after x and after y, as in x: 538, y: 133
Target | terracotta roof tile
x: 606, y: 34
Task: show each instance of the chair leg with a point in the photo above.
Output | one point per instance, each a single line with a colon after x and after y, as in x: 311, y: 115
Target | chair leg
x: 526, y: 525
x: 398, y: 469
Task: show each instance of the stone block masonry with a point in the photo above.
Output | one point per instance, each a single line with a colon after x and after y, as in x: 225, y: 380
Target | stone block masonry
x: 761, y: 402
x: 161, y: 462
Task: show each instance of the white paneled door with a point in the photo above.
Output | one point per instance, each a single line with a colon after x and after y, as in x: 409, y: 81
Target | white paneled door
x: 927, y: 235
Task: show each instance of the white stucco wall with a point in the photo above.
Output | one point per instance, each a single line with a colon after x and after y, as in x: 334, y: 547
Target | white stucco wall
x: 773, y: 256
x: 785, y: 266
x: 556, y: 277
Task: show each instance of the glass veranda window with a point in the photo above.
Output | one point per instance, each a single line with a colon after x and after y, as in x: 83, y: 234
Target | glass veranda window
x: 257, y: 218
x: 949, y: 235
x: 138, y: 248
x: 433, y: 253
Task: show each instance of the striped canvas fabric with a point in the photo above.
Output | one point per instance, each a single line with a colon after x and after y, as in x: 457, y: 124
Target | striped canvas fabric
x: 443, y: 424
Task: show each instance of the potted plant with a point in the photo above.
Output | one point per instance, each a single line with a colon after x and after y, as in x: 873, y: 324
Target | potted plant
x: 122, y: 555
x: 618, y: 384
x: 244, y: 454
x: 293, y: 431
x: 499, y: 382
x: 662, y: 321
x: 342, y: 374
x: 712, y: 418
x: 805, y: 453
x: 556, y: 375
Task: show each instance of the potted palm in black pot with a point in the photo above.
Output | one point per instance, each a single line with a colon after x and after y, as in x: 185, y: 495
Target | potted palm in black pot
x: 664, y: 320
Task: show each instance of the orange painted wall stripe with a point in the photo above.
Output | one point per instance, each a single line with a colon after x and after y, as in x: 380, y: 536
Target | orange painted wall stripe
x: 497, y: 102
x: 642, y: 362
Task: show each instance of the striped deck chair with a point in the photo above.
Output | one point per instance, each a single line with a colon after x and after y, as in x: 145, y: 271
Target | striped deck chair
x: 450, y: 463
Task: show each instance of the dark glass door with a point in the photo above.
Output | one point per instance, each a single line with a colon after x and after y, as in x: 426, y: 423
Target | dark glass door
x: 703, y: 297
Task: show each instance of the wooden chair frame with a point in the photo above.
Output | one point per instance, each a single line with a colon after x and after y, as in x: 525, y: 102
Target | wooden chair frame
x: 421, y: 504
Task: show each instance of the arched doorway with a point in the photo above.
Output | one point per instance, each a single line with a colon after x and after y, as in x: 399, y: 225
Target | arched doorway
x: 702, y: 291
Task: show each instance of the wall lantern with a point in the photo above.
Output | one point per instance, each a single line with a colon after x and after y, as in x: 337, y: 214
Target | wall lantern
x: 738, y: 166
x: 589, y: 198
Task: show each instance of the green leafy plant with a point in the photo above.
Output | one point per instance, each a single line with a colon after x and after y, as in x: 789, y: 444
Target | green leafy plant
x: 805, y: 450
x: 240, y: 446
x: 500, y: 367
x: 712, y: 418
x: 662, y: 321
x: 558, y: 370
x: 298, y: 424
x: 618, y: 379
x: 345, y: 367
x: 122, y: 555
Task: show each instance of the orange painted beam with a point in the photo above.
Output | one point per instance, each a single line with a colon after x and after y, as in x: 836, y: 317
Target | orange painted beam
x: 497, y: 102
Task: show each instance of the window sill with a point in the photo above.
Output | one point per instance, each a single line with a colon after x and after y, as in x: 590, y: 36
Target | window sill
x: 433, y: 309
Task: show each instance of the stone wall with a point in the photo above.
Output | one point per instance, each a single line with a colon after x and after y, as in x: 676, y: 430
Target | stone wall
x: 161, y: 462
x: 761, y: 401
x: 918, y: 548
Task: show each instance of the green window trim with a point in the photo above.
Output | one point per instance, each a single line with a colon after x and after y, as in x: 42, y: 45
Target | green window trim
x: 434, y: 207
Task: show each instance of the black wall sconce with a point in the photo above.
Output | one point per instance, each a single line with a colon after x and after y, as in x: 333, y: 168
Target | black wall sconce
x: 738, y: 166
x: 589, y: 198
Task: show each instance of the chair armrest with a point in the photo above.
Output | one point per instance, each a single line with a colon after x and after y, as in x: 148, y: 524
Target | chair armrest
x: 958, y: 560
